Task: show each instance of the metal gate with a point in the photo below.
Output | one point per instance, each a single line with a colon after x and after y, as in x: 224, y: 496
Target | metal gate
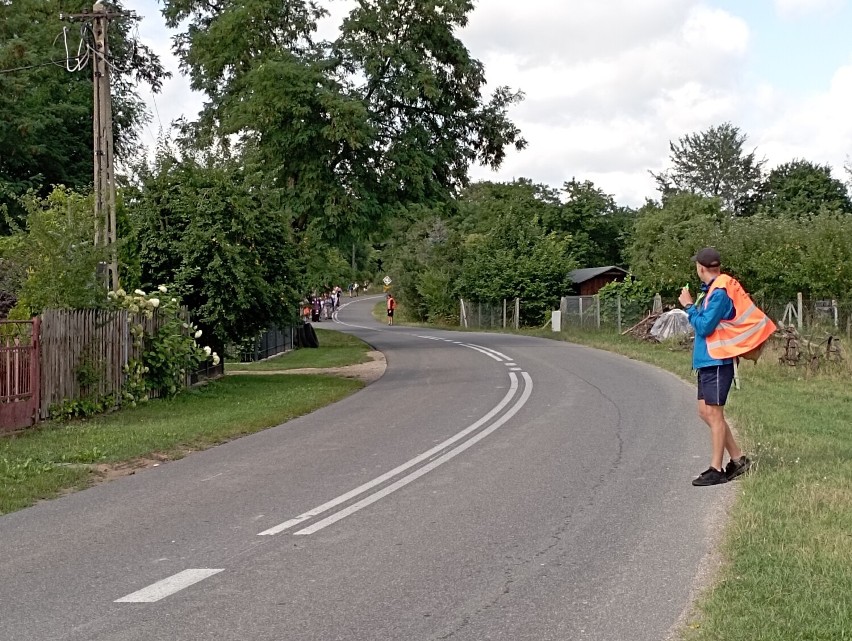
x: 19, y: 374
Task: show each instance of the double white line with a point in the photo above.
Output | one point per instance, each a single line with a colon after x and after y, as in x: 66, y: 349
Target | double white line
x: 412, y: 476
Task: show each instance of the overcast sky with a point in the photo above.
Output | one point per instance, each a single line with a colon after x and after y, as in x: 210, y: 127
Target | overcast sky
x: 609, y: 83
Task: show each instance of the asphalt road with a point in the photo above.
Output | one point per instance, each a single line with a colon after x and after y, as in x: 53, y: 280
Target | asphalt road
x: 486, y: 487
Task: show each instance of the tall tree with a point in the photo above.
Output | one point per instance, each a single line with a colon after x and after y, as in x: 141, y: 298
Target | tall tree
x: 800, y: 188
x: 714, y: 164
x: 389, y: 113
x: 46, y: 111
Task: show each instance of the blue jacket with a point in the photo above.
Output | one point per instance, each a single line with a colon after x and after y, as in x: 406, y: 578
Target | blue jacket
x: 704, y: 319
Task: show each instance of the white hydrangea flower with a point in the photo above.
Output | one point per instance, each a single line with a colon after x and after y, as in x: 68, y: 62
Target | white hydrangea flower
x: 208, y: 350
x: 139, y: 292
x: 198, y: 334
x: 121, y: 293
x: 216, y: 359
x: 154, y: 302
x: 163, y: 289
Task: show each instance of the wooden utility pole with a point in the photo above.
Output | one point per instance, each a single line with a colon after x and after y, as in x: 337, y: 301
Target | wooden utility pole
x: 105, y: 234
x: 103, y: 149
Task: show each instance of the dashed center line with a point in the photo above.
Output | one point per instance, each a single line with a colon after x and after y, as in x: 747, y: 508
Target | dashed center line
x: 168, y: 586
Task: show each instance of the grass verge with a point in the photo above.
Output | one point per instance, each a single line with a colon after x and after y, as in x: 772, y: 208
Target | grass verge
x: 336, y: 350
x: 44, y: 462
x: 788, y: 548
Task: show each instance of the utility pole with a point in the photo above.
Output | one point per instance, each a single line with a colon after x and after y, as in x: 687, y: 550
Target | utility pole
x: 103, y: 148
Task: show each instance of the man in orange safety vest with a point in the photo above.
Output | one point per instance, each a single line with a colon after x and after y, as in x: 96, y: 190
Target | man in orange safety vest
x: 728, y: 325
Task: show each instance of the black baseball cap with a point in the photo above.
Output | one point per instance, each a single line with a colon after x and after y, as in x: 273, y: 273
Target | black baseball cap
x: 708, y: 257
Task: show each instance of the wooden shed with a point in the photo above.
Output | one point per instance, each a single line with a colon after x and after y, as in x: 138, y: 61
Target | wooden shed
x: 588, y: 281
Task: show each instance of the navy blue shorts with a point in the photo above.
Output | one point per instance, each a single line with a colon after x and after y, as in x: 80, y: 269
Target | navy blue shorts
x: 714, y: 383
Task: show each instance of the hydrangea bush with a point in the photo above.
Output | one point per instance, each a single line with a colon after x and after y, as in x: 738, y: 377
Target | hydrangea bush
x: 168, y: 352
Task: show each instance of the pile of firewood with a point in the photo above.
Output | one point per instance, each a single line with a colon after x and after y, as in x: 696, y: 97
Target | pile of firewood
x: 642, y: 329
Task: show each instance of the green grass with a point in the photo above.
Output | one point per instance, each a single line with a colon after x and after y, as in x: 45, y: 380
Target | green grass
x: 43, y: 462
x: 336, y: 350
x: 788, y: 546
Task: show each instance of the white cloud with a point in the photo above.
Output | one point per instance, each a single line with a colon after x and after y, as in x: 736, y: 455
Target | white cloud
x: 790, y: 9
x: 606, y: 93
x: 817, y: 128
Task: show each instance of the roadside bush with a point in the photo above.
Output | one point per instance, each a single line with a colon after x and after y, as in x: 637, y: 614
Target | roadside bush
x: 168, y: 347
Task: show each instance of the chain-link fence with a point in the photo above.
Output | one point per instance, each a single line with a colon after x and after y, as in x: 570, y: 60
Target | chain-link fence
x: 610, y: 314
x: 502, y: 314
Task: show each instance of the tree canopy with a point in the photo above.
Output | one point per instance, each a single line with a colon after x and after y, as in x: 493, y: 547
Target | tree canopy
x: 799, y: 188
x: 714, y: 163
x: 389, y: 113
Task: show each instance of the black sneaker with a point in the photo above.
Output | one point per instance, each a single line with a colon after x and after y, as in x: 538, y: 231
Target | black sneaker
x: 710, y: 476
x: 736, y: 467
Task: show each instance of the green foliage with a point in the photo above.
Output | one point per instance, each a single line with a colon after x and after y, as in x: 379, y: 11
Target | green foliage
x: 223, y: 243
x: 714, y: 164
x: 598, y: 226
x: 324, y: 264
x: 82, y: 408
x: 517, y: 258
x: 635, y: 296
x: 46, y: 123
x: 772, y: 257
x: 800, y: 188
x: 54, y: 256
x: 666, y: 236
x: 423, y: 257
x: 168, y: 351
x: 346, y: 132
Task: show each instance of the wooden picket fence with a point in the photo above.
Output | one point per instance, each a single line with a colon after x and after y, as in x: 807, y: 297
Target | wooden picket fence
x: 84, y: 353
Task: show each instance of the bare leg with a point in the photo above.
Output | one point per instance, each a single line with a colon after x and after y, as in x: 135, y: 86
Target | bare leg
x: 720, y: 433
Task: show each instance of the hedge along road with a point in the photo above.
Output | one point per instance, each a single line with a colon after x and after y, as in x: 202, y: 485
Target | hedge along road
x: 486, y: 487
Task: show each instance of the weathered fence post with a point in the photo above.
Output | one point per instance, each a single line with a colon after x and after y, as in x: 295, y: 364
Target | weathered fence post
x: 799, y: 304
x: 618, y: 312
x: 580, y: 300
x: 517, y: 313
x: 504, y: 313
x: 598, y: 311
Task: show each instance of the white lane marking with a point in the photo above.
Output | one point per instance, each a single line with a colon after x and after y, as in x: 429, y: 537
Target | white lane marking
x: 167, y: 587
x: 360, y: 505
x: 514, y: 369
x: 511, y: 364
x: 493, y: 351
x: 483, y: 351
x: 513, y: 387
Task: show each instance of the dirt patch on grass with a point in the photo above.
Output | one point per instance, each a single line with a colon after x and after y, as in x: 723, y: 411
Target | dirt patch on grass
x: 366, y: 372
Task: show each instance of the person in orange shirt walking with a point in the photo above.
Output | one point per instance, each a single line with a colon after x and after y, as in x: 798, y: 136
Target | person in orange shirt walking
x: 391, y: 308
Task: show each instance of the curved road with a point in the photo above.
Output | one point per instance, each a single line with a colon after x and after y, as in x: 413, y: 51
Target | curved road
x: 486, y: 487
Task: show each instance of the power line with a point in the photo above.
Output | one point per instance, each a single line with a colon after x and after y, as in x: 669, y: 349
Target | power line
x: 58, y: 63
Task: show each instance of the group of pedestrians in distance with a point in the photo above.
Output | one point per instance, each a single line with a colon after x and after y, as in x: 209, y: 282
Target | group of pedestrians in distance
x: 317, y: 308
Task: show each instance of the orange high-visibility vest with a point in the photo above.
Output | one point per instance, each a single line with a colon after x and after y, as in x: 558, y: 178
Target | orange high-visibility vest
x: 747, y: 331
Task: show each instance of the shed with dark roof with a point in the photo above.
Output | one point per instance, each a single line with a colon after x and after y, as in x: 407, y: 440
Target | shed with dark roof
x: 588, y: 281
